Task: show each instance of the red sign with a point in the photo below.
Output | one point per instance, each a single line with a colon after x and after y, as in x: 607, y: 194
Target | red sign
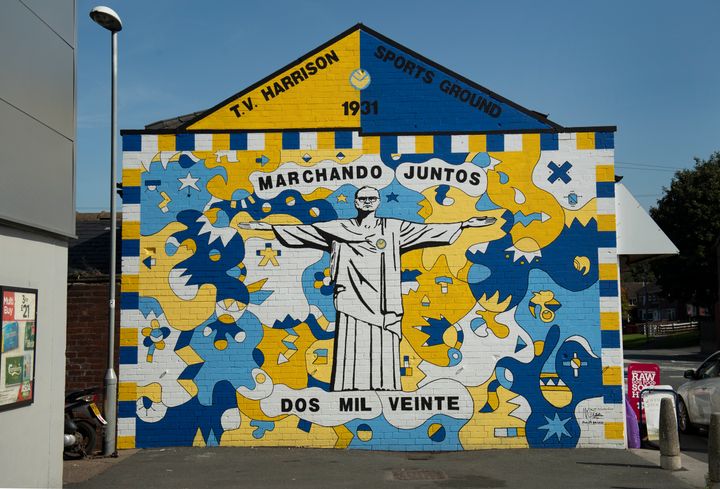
x: 641, y: 376
x: 8, y: 311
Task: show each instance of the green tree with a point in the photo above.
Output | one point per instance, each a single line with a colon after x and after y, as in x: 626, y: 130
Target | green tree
x: 689, y: 213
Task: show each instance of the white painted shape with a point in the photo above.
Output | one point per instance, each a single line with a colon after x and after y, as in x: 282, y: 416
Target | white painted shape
x: 459, y: 144
x: 203, y: 142
x: 356, y: 140
x: 230, y: 419
x: 308, y: 140
x: 149, y: 143
x: 256, y: 141
x: 513, y: 142
x: 406, y: 144
x: 420, y: 185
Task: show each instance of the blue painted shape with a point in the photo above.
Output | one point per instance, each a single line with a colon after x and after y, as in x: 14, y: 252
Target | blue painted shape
x: 343, y: 139
x: 605, y: 189
x: 129, y: 300
x: 304, y: 425
x: 190, y: 372
x: 388, y: 144
x: 291, y: 140
x: 185, y: 142
x: 180, y: 424
x: 612, y: 394
x: 211, y: 440
x: 548, y: 141
x: 503, y: 177
x: 409, y: 275
x: 495, y: 142
x: 392, y: 197
x: 485, y: 204
x: 132, y: 142
x: 238, y: 141
x: 126, y: 409
x: 520, y: 345
x: 153, y: 183
x: 607, y: 239
x: 610, y: 339
x: 482, y: 160
x: 128, y: 355
x: 441, y: 193
x: 512, y: 432
x: 258, y: 357
x: 386, y: 436
x: 477, y: 323
x: 435, y: 329
x: 559, y: 172
x: 525, y: 220
x: 131, y: 195
x: 604, y: 140
x: 417, y: 100
x: 442, y: 144
x: 146, y: 402
x: 186, y: 162
x: 608, y: 288
x: 478, y: 273
x: 261, y: 427
x: 148, y: 305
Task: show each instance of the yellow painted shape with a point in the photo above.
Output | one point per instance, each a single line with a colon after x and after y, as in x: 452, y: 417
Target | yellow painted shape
x: 614, y: 430
x: 127, y: 391
x: 477, y: 143
x: 538, y: 347
x: 344, y: 435
x: 313, y: 102
x: 272, y: 346
x: 605, y: 173
x: 458, y: 295
x: 131, y: 178
x: 606, y: 222
x: 371, y: 144
x: 461, y: 210
x: 320, y: 367
x: 182, y: 315
x: 411, y: 381
x: 519, y: 166
x: 479, y: 431
x: 189, y: 386
x: 558, y: 396
x: 131, y: 230
x: 166, y: 142
x: 188, y: 355
x: 424, y: 144
x: 426, y: 209
x: 609, y: 321
x: 125, y: 442
x: 220, y: 142
x: 612, y: 376
x: 166, y: 200
x: 199, y: 441
x: 582, y: 264
x: 583, y: 215
x: 130, y: 283
x: 128, y: 337
x: 585, y: 140
x: 608, y: 271
x: 326, y: 140
x: 151, y: 391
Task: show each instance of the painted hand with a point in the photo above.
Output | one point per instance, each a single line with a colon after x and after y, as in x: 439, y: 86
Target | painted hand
x: 255, y: 226
x: 479, y: 222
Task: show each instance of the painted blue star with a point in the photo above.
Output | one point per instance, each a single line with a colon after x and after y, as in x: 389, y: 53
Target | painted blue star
x: 555, y: 427
x: 392, y: 196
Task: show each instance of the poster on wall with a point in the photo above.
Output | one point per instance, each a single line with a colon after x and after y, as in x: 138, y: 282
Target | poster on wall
x: 17, y: 355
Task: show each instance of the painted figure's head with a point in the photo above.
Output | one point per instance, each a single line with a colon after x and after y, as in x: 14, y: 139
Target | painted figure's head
x: 367, y: 199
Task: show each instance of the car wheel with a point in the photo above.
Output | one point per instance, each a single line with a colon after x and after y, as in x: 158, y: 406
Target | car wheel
x: 684, y: 424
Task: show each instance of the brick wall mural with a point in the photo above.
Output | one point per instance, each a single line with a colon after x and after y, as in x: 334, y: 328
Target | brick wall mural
x: 366, y: 250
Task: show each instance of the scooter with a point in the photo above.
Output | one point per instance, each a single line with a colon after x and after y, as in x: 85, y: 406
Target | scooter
x: 82, y: 422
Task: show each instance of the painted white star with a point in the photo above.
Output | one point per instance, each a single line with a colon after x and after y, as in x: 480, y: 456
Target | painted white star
x: 189, y: 181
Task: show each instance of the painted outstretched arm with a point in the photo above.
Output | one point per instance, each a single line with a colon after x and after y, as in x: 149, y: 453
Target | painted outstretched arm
x: 292, y: 236
x: 416, y: 235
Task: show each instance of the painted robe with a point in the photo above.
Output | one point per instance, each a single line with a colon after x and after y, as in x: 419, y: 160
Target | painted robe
x: 365, y: 266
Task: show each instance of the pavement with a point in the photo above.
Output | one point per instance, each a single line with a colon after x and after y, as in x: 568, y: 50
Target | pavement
x: 300, y: 468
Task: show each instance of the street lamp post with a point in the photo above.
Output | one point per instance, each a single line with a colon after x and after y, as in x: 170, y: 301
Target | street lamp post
x: 108, y: 19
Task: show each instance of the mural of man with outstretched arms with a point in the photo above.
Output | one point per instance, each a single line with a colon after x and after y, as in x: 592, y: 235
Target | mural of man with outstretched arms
x: 365, y: 267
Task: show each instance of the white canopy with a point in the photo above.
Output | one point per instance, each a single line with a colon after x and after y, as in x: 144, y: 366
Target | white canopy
x: 638, y: 236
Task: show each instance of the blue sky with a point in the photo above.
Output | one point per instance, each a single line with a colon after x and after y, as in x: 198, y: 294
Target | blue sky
x: 648, y: 67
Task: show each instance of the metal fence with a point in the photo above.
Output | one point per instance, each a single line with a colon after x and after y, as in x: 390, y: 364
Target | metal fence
x: 666, y: 329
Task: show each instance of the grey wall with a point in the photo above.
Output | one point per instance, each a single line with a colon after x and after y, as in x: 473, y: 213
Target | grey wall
x: 37, y: 114
x: 31, y: 446
x: 37, y: 195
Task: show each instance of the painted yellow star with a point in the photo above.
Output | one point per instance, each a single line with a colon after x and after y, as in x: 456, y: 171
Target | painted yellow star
x: 341, y: 198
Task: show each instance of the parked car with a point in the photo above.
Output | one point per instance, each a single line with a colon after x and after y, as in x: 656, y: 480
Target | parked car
x: 698, y: 396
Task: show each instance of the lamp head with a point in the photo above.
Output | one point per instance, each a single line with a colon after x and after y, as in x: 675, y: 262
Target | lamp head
x: 107, y: 18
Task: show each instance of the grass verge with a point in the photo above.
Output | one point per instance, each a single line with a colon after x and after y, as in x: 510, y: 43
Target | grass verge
x: 641, y: 342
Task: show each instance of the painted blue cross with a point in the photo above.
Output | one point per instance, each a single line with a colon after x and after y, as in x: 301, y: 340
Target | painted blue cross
x: 560, y: 172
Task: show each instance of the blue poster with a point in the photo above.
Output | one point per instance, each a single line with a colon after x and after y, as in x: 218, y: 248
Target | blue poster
x: 10, y: 336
